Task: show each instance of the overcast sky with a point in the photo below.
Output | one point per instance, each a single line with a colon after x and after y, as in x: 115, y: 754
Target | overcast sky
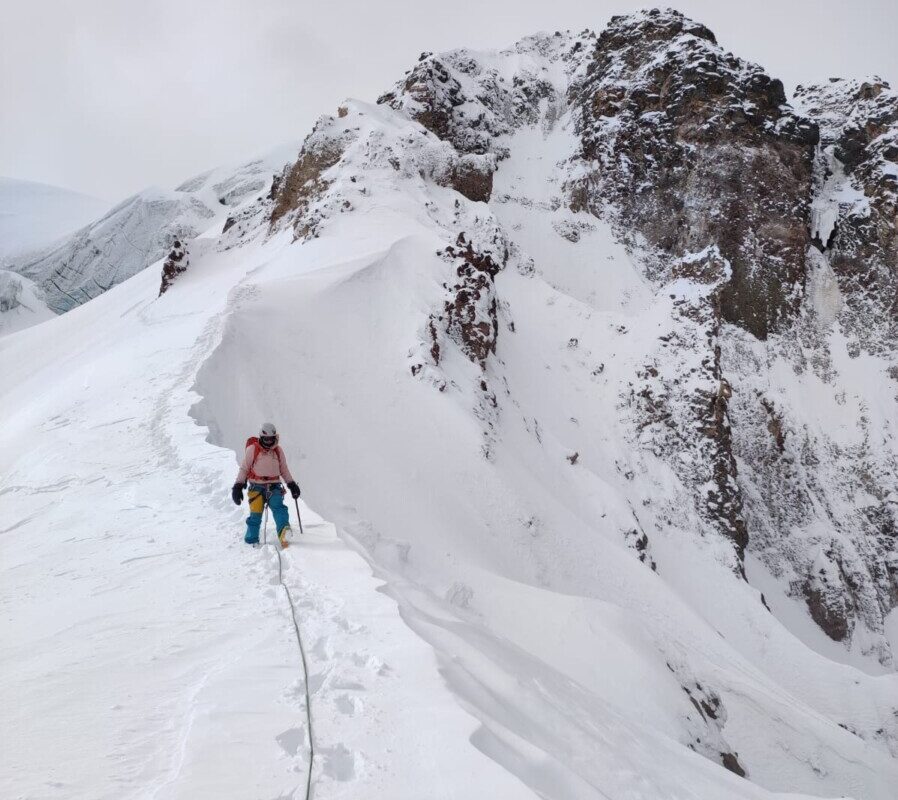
x: 109, y: 96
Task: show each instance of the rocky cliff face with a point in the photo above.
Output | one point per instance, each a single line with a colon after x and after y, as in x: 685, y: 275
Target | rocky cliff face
x: 837, y: 494
x: 768, y: 232
x: 691, y: 147
x: 694, y: 156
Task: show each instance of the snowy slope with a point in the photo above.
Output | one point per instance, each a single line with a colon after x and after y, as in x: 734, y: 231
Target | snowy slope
x: 34, y: 215
x: 517, y: 593
x: 152, y: 651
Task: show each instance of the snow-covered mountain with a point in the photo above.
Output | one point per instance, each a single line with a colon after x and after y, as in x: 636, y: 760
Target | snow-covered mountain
x: 141, y: 230
x: 586, y: 348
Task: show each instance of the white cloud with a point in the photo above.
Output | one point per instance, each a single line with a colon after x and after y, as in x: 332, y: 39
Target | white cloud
x: 107, y: 97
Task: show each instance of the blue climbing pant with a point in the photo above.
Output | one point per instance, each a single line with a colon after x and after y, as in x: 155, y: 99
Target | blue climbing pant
x: 256, y: 497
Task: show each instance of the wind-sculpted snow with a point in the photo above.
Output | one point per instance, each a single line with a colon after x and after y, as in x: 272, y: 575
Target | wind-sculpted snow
x: 148, y: 652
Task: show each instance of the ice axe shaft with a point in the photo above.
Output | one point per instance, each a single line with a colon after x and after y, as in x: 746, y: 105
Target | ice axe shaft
x: 298, y: 517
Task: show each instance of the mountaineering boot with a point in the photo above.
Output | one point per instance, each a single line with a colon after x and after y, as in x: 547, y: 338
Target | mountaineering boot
x: 282, y: 536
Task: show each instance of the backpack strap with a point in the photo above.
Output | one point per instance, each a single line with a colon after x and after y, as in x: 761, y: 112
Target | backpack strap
x: 278, y: 452
x: 257, y: 448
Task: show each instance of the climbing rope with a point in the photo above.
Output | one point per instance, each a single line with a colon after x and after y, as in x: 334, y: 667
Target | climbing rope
x: 302, y: 650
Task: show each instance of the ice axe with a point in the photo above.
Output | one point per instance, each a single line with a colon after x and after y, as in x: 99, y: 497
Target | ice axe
x: 298, y: 517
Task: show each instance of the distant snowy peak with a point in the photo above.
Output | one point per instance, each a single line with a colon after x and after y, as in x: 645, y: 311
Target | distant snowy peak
x: 230, y: 186
x: 131, y: 236
x: 141, y: 230
x: 34, y: 215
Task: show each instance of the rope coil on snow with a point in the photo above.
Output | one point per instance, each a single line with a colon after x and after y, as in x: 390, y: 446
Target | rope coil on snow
x: 302, y: 654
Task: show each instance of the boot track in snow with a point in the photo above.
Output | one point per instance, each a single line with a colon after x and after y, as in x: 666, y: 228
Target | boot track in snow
x: 302, y: 650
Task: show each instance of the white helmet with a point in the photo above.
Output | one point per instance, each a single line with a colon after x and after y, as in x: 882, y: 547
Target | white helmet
x: 268, y: 435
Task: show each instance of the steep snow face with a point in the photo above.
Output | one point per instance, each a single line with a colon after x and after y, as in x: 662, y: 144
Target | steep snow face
x: 34, y: 215
x: 722, y: 193
x: 22, y: 304
x: 141, y: 230
x: 695, y: 160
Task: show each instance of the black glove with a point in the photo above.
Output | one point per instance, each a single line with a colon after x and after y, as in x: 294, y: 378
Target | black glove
x: 294, y: 489
x: 237, y: 493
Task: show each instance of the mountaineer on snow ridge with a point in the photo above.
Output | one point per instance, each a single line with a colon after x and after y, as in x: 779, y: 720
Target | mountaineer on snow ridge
x: 264, y: 464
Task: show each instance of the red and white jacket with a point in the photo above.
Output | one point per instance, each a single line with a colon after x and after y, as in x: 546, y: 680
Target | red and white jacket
x: 269, y: 467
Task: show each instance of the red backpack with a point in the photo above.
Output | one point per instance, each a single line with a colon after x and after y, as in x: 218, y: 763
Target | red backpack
x: 257, y: 448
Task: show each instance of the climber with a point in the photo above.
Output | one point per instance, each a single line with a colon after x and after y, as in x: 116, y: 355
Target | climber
x: 264, y: 464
